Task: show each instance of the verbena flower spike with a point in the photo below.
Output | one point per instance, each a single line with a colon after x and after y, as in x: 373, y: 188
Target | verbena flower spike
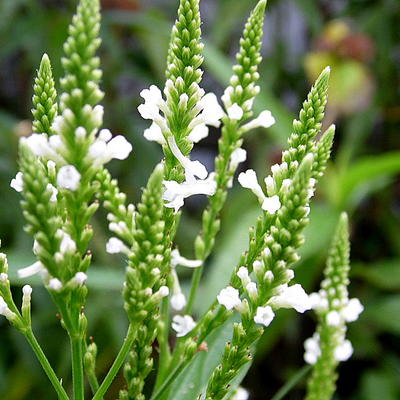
x: 63, y: 180
x: 328, y: 346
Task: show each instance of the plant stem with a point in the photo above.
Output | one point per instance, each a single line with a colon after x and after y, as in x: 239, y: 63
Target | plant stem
x: 30, y: 337
x: 165, y: 353
x: 193, y: 289
x: 167, y: 382
x: 128, y: 341
x: 77, y: 367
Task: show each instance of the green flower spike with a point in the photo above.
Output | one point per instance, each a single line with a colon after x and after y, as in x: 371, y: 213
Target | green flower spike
x: 328, y: 346
x: 44, y: 99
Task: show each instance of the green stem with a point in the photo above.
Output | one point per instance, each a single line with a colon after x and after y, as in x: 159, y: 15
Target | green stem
x: 165, y: 353
x: 128, y: 341
x: 289, y: 385
x: 196, y: 278
x: 30, y: 337
x: 77, y: 367
x: 167, y: 382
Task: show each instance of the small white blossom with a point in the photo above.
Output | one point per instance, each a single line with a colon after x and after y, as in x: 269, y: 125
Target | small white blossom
x: 292, y: 297
x: 312, y: 349
x: 102, y: 151
x: 53, y: 190
x: 80, y: 278
x: 192, y: 168
x: 243, y: 274
x: 80, y: 132
x: 264, y: 120
x: 4, y: 310
x: 235, y: 112
x: 333, y: 318
x: 68, y: 177
x: 240, y: 394
x: 264, y: 315
x: 178, y: 301
x: 33, y: 269
x: 238, y: 156
x: 67, y: 244
x: 175, y: 192
x: 212, y: 111
x: 182, y: 324
x: 177, y: 259
x: 344, y: 351
x: 271, y: 204
x: 3, y: 277
x: 249, y: 180
x: 154, y: 134
x: 55, y: 284
x: 229, y: 298
x: 17, y: 183
x: 199, y: 132
x: 251, y: 289
x: 352, y: 310
x: 318, y: 302
x: 115, y: 246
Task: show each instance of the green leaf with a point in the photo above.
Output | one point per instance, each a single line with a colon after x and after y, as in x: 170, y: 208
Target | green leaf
x: 383, y: 313
x: 353, y: 182
x: 193, y: 380
x: 384, y: 275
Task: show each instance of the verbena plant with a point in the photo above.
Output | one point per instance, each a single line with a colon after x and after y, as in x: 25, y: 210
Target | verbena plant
x: 63, y: 181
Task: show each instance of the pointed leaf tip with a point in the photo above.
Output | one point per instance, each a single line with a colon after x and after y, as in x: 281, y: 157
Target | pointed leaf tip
x: 260, y: 7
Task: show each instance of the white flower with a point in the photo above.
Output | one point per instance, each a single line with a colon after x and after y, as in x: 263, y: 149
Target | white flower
x: 4, y: 309
x: 240, y: 394
x: 271, y: 204
x: 175, y: 192
x: 17, y: 183
x: 55, y: 284
x: 318, y: 302
x: 344, y: 351
x: 80, y: 132
x: 352, y: 310
x: 235, y: 112
x: 192, y: 168
x: 162, y: 292
x: 153, y: 96
x: 212, y: 111
x: 251, y: 289
x: 178, y: 301
x: 182, y: 324
x: 243, y: 274
x: 53, y: 191
x: 105, y: 149
x: 3, y: 277
x: 292, y: 297
x: 333, y: 318
x: 67, y: 245
x: 80, y: 278
x: 177, y: 259
x: 154, y: 134
x: 198, y: 133
x: 312, y: 349
x: 229, y: 298
x: 115, y: 246
x: 238, y: 156
x: 264, y: 315
x: 249, y: 180
x: 264, y: 120
x: 33, y: 269
x: 26, y: 296
x: 68, y: 177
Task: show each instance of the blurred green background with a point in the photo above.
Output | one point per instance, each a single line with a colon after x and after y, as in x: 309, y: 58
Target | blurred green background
x: 360, y: 40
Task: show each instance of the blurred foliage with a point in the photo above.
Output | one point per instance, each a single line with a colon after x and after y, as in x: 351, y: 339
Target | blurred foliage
x: 359, y: 39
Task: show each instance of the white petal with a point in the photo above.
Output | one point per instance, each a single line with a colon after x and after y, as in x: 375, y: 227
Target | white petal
x: 344, y: 351
x: 118, y: 148
x: 183, y: 324
x: 352, y: 310
x: 154, y: 134
x: 292, y: 297
x: 229, y: 297
x: 198, y: 133
x: 235, y: 112
x: 31, y: 270
x: 264, y: 315
x: 68, y: 177
x: 18, y: 182
x: 178, y: 301
x: 271, y: 204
